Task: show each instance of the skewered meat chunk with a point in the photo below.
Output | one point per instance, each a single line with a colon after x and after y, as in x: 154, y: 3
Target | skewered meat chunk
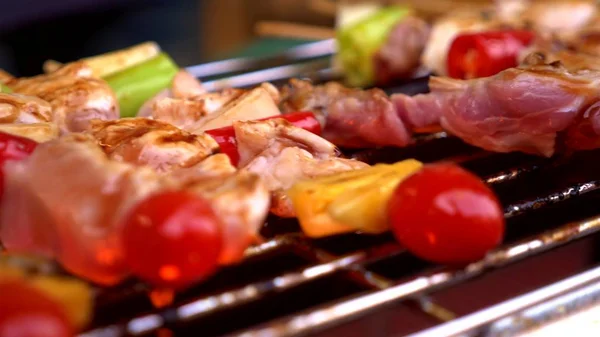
x: 40, y: 132
x: 400, y: 55
x: 282, y: 154
x: 241, y: 201
x: 213, y: 110
x: 16, y: 108
x: 65, y: 201
x: 352, y: 117
x: 216, y: 166
x: 185, y: 85
x: 75, y: 95
x: 520, y: 109
x: 143, y: 141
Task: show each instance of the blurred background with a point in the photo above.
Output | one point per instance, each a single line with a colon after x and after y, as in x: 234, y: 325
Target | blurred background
x: 191, y: 31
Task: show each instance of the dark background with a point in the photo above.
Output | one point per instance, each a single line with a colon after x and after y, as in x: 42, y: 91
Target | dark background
x: 32, y: 31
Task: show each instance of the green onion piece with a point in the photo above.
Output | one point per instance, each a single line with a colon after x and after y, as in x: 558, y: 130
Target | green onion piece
x: 5, y: 89
x: 358, y: 43
x: 135, y: 85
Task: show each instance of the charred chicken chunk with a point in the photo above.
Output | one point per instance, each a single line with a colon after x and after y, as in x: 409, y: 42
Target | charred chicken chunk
x: 283, y: 154
x: 214, y: 110
x: 241, y: 201
x: 40, y: 132
x: 75, y: 95
x: 143, y: 141
x: 16, y: 108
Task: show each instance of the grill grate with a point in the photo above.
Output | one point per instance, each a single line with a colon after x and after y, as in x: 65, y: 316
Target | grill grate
x: 291, y: 285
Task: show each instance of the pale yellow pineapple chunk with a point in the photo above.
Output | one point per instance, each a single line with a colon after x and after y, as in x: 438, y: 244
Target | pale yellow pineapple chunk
x: 320, y: 204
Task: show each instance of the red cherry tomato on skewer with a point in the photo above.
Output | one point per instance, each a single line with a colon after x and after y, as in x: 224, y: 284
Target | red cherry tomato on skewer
x: 28, y: 312
x: 446, y: 214
x: 225, y: 136
x: 172, y: 239
x: 487, y: 53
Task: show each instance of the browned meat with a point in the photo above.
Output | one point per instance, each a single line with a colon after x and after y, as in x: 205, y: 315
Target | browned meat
x: 186, y: 85
x: 282, y: 154
x: 159, y: 145
x: 16, y: 108
x: 75, y: 95
x: 520, y: 109
x: 241, y: 200
x: 400, y: 55
x: 352, y: 118
x: 65, y: 201
x: 40, y: 132
x: 213, y: 110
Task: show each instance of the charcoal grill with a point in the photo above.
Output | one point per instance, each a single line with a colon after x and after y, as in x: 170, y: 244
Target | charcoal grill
x: 546, y: 274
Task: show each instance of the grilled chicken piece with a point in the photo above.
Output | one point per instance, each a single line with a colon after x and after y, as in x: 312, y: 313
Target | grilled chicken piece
x: 143, y: 141
x: 241, y: 201
x: 215, y: 167
x: 16, y: 108
x: 254, y: 137
x: 65, y: 202
x: 353, y: 118
x: 282, y: 154
x: 260, y: 102
x: 40, y: 132
x: 185, y: 85
x: 182, y: 113
x: 75, y: 95
x: 213, y: 110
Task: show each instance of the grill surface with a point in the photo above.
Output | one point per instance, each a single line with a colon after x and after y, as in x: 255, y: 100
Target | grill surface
x: 291, y: 285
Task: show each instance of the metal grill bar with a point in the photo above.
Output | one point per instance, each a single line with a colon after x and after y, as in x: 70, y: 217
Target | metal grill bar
x: 324, y: 316
x: 471, y: 322
x: 303, y: 52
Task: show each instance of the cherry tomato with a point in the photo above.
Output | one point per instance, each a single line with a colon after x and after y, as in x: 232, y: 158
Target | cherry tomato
x: 13, y: 148
x: 446, y: 214
x: 486, y: 53
x: 172, y: 239
x: 27, y: 312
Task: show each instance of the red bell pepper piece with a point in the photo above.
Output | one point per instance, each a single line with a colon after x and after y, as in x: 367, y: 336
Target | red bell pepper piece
x: 486, y: 53
x: 225, y: 136
x: 13, y: 148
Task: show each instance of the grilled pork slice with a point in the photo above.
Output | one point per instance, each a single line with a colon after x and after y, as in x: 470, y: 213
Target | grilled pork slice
x: 143, y: 141
x: 400, y: 55
x: 282, y: 154
x: 40, y: 132
x: 75, y: 95
x: 520, y: 109
x: 241, y: 201
x: 16, y: 108
x: 352, y: 117
x: 65, y: 202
